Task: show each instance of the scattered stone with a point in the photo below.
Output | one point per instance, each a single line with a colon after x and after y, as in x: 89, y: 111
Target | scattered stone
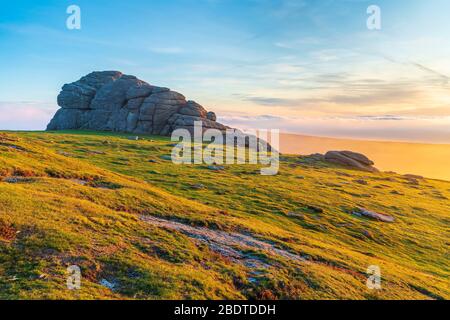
x: 413, y: 176
x: 390, y: 179
x: 333, y: 185
x: 198, y: 186
x: 152, y: 161
x: 343, y: 174
x: 368, y: 234
x: 296, y: 215
x: 360, y: 181
x: 65, y: 154
x: 396, y: 192
x: 18, y: 180
x: 351, y: 159
x: 12, y: 146
x: 216, y: 168
x: 221, y: 192
x: 314, y: 209
x: 166, y: 157
x: 107, y: 284
x: 79, y: 181
x: 96, y: 152
x: 373, y: 215
x: 413, y: 181
x: 344, y: 225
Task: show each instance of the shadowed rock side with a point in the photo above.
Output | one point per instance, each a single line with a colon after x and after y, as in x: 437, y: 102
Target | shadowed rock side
x: 112, y: 101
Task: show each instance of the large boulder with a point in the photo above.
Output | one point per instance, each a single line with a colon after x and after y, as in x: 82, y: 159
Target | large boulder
x: 112, y: 101
x: 351, y: 159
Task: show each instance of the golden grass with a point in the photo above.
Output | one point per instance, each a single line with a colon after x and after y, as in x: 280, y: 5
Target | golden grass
x: 77, y: 198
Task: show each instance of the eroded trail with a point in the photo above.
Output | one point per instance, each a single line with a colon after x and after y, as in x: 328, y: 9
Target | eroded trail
x: 231, y: 245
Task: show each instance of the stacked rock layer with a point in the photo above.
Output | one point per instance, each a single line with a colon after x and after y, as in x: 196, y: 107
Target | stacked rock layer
x: 112, y: 101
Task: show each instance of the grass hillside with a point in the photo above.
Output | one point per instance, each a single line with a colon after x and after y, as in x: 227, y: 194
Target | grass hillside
x: 140, y: 227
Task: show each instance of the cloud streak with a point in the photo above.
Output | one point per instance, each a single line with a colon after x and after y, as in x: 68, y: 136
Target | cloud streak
x: 390, y: 127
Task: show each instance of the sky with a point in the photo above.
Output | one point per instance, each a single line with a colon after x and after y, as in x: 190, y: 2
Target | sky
x: 301, y: 66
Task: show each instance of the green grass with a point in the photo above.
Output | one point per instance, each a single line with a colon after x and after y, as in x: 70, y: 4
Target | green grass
x: 80, y: 197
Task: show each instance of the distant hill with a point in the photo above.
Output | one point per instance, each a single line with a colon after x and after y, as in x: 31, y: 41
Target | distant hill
x: 140, y: 227
x: 426, y: 159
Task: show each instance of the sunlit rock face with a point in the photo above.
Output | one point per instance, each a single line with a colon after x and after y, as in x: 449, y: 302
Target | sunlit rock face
x: 112, y: 101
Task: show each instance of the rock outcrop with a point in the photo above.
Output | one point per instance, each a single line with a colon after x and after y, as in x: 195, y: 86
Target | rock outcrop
x: 112, y: 101
x: 351, y: 159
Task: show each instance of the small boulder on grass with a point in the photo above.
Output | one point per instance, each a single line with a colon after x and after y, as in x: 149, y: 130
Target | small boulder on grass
x: 413, y: 176
x: 314, y: 209
x: 16, y: 179
x: 166, y: 157
x: 361, y: 212
x: 216, y: 168
x: 368, y: 234
x: 295, y: 215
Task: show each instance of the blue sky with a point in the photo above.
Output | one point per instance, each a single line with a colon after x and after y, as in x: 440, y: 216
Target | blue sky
x: 301, y: 66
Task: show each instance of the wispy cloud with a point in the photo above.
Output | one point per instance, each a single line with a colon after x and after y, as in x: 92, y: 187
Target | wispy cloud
x: 437, y: 77
x: 378, y: 96
x: 444, y: 79
x: 388, y: 127
x: 167, y: 50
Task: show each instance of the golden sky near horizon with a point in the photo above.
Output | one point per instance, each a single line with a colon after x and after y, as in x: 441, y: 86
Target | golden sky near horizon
x: 428, y: 160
